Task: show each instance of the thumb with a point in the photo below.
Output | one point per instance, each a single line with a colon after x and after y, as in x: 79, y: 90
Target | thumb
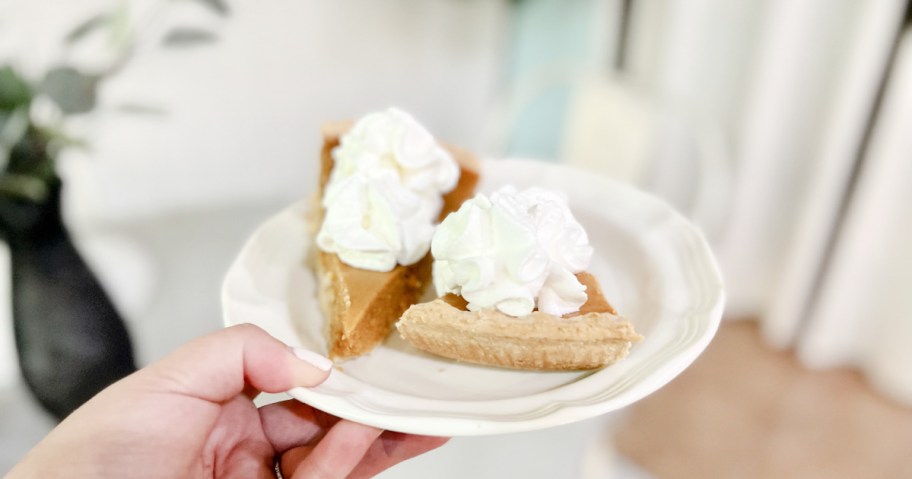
x: 221, y: 365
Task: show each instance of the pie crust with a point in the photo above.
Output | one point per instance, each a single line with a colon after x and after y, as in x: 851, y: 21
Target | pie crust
x: 595, y: 336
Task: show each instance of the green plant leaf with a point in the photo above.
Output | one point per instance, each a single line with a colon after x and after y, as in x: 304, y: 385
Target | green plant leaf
x: 138, y: 109
x: 188, y: 37
x: 14, y: 91
x: 58, y: 139
x: 72, y: 90
x: 13, y: 126
x: 86, y: 27
x: 23, y: 187
x: 218, y: 6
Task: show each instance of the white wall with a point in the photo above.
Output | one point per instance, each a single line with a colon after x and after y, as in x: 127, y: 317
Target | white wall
x: 243, y: 113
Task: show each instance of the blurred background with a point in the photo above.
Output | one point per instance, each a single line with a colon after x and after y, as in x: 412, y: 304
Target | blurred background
x: 142, y: 141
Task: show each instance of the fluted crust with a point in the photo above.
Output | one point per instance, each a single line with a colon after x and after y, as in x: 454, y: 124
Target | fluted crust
x: 537, y: 341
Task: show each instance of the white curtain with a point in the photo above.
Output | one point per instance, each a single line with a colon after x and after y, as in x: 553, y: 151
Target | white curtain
x: 798, y: 115
x: 863, y: 310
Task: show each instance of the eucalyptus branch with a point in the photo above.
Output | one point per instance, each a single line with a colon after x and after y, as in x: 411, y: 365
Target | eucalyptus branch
x: 28, y: 144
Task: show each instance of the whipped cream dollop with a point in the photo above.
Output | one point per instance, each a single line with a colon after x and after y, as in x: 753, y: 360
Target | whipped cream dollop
x: 385, y: 192
x: 514, y: 251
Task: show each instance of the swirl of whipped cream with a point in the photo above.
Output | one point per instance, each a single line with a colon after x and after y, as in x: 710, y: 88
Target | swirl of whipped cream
x: 514, y: 251
x: 385, y: 192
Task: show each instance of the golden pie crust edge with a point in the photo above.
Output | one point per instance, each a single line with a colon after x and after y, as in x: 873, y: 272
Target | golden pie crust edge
x: 538, y: 341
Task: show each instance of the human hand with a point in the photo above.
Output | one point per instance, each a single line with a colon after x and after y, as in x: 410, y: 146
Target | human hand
x: 192, y: 415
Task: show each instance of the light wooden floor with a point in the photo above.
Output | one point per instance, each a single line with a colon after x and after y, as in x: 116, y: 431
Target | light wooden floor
x: 744, y: 410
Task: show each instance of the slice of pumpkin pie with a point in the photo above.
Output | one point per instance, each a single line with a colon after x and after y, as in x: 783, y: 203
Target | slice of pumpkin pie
x: 384, y: 185
x: 510, y: 272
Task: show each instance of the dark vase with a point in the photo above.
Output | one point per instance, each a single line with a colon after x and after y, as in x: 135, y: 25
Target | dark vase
x: 70, y: 339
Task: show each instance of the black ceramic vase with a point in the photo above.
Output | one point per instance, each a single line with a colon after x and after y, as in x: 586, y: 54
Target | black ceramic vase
x: 70, y: 339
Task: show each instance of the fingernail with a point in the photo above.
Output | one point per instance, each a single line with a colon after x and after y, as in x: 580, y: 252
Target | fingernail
x: 320, y: 362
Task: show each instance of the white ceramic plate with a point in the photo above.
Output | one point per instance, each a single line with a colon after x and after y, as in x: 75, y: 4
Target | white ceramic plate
x: 653, y: 265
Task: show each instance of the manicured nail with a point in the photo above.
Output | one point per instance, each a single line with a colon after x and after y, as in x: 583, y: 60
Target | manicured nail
x: 320, y: 362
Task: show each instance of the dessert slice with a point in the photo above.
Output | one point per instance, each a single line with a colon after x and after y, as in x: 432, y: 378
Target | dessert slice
x: 522, y: 300
x: 362, y: 298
